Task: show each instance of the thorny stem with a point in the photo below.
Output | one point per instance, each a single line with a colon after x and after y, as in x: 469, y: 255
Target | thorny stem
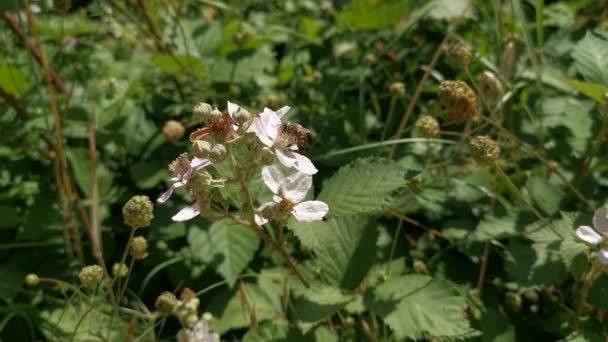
x: 531, y: 150
x: 484, y: 267
x: 427, y: 73
x: 525, y: 202
x: 62, y: 173
x: 254, y: 226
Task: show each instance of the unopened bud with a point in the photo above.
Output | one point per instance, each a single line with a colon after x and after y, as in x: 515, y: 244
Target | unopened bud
x: 490, y: 88
x: 166, y: 303
x: 201, y: 148
x: 420, y: 267
x: 138, y: 212
x: 173, y: 130
x: 32, y: 279
x: 218, y: 153
x: 371, y: 59
x: 458, y: 100
x: 120, y: 270
x: 459, y: 56
x: 241, y: 116
x: 201, y: 112
x: 267, y: 157
x: 273, y: 101
x: 207, y: 316
x: 61, y: 6
x: 397, y: 89
x: 513, y: 302
x: 428, y: 126
x: 139, y: 248
x: 507, y: 62
x: 91, y: 276
x: 484, y: 150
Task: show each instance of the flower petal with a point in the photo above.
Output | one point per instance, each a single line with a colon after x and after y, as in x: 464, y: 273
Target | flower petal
x: 600, y: 219
x: 273, y: 178
x: 232, y: 108
x: 187, y: 213
x: 310, y: 211
x: 257, y: 126
x: 588, y: 235
x: 165, y: 195
x: 286, y: 158
x: 296, y: 186
x: 282, y: 111
x: 304, y: 164
x: 602, y: 256
x: 259, y: 220
x: 199, y: 163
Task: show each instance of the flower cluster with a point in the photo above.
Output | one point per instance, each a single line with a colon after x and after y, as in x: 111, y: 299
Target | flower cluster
x: 247, y: 144
x: 597, y: 235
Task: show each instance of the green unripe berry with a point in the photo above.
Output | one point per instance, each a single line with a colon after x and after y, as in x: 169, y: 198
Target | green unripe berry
x: 138, y: 212
x: 484, y: 150
x: 91, y: 276
x: 32, y: 279
x: 201, y: 148
x: 166, y: 303
x: 120, y: 270
x: 139, y: 248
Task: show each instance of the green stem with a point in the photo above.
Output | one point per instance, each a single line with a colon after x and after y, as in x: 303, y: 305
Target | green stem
x: 389, y: 118
x: 393, y: 247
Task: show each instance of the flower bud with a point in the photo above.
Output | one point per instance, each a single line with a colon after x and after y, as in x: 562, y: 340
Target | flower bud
x: 139, y: 248
x: 166, y: 303
x: 507, y: 61
x: 420, y: 267
x: 397, y: 89
x: 61, y: 6
x: 458, y: 100
x: 371, y: 59
x: 207, y: 316
x: 173, y: 130
x: 218, y: 153
x: 484, y: 150
x: 428, y: 126
x: 201, y: 148
x: 490, y: 88
x: 138, y: 212
x: 241, y: 116
x: 267, y: 157
x: 459, y: 56
x: 273, y: 101
x: 202, y: 111
x: 120, y: 270
x: 91, y: 276
x: 513, y: 302
x: 32, y: 279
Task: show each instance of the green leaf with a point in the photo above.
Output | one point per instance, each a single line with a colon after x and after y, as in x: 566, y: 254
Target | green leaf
x: 448, y: 9
x: 80, y: 162
x: 10, y: 216
x: 233, y: 248
x: 252, y: 68
x: 591, y: 58
x: 417, y: 306
x: 362, y: 187
x: 372, y: 14
x: 149, y: 173
x: 593, y: 90
x: 12, y: 80
x: 180, y: 65
x: 345, y: 247
x: 93, y: 322
x: 546, y: 191
x: 536, y: 263
x: 492, y: 227
x: 572, y: 114
x: 318, y: 302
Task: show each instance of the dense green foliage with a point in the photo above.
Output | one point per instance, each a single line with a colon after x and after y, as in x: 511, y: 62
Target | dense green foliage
x: 432, y: 231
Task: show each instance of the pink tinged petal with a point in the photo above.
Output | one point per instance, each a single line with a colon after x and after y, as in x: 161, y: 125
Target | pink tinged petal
x: 273, y: 178
x: 310, y: 211
x: 232, y: 108
x: 602, y: 256
x: 165, y: 195
x: 199, y: 163
x: 296, y: 186
x: 187, y: 213
x: 282, y: 111
x: 600, y: 220
x: 588, y: 235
